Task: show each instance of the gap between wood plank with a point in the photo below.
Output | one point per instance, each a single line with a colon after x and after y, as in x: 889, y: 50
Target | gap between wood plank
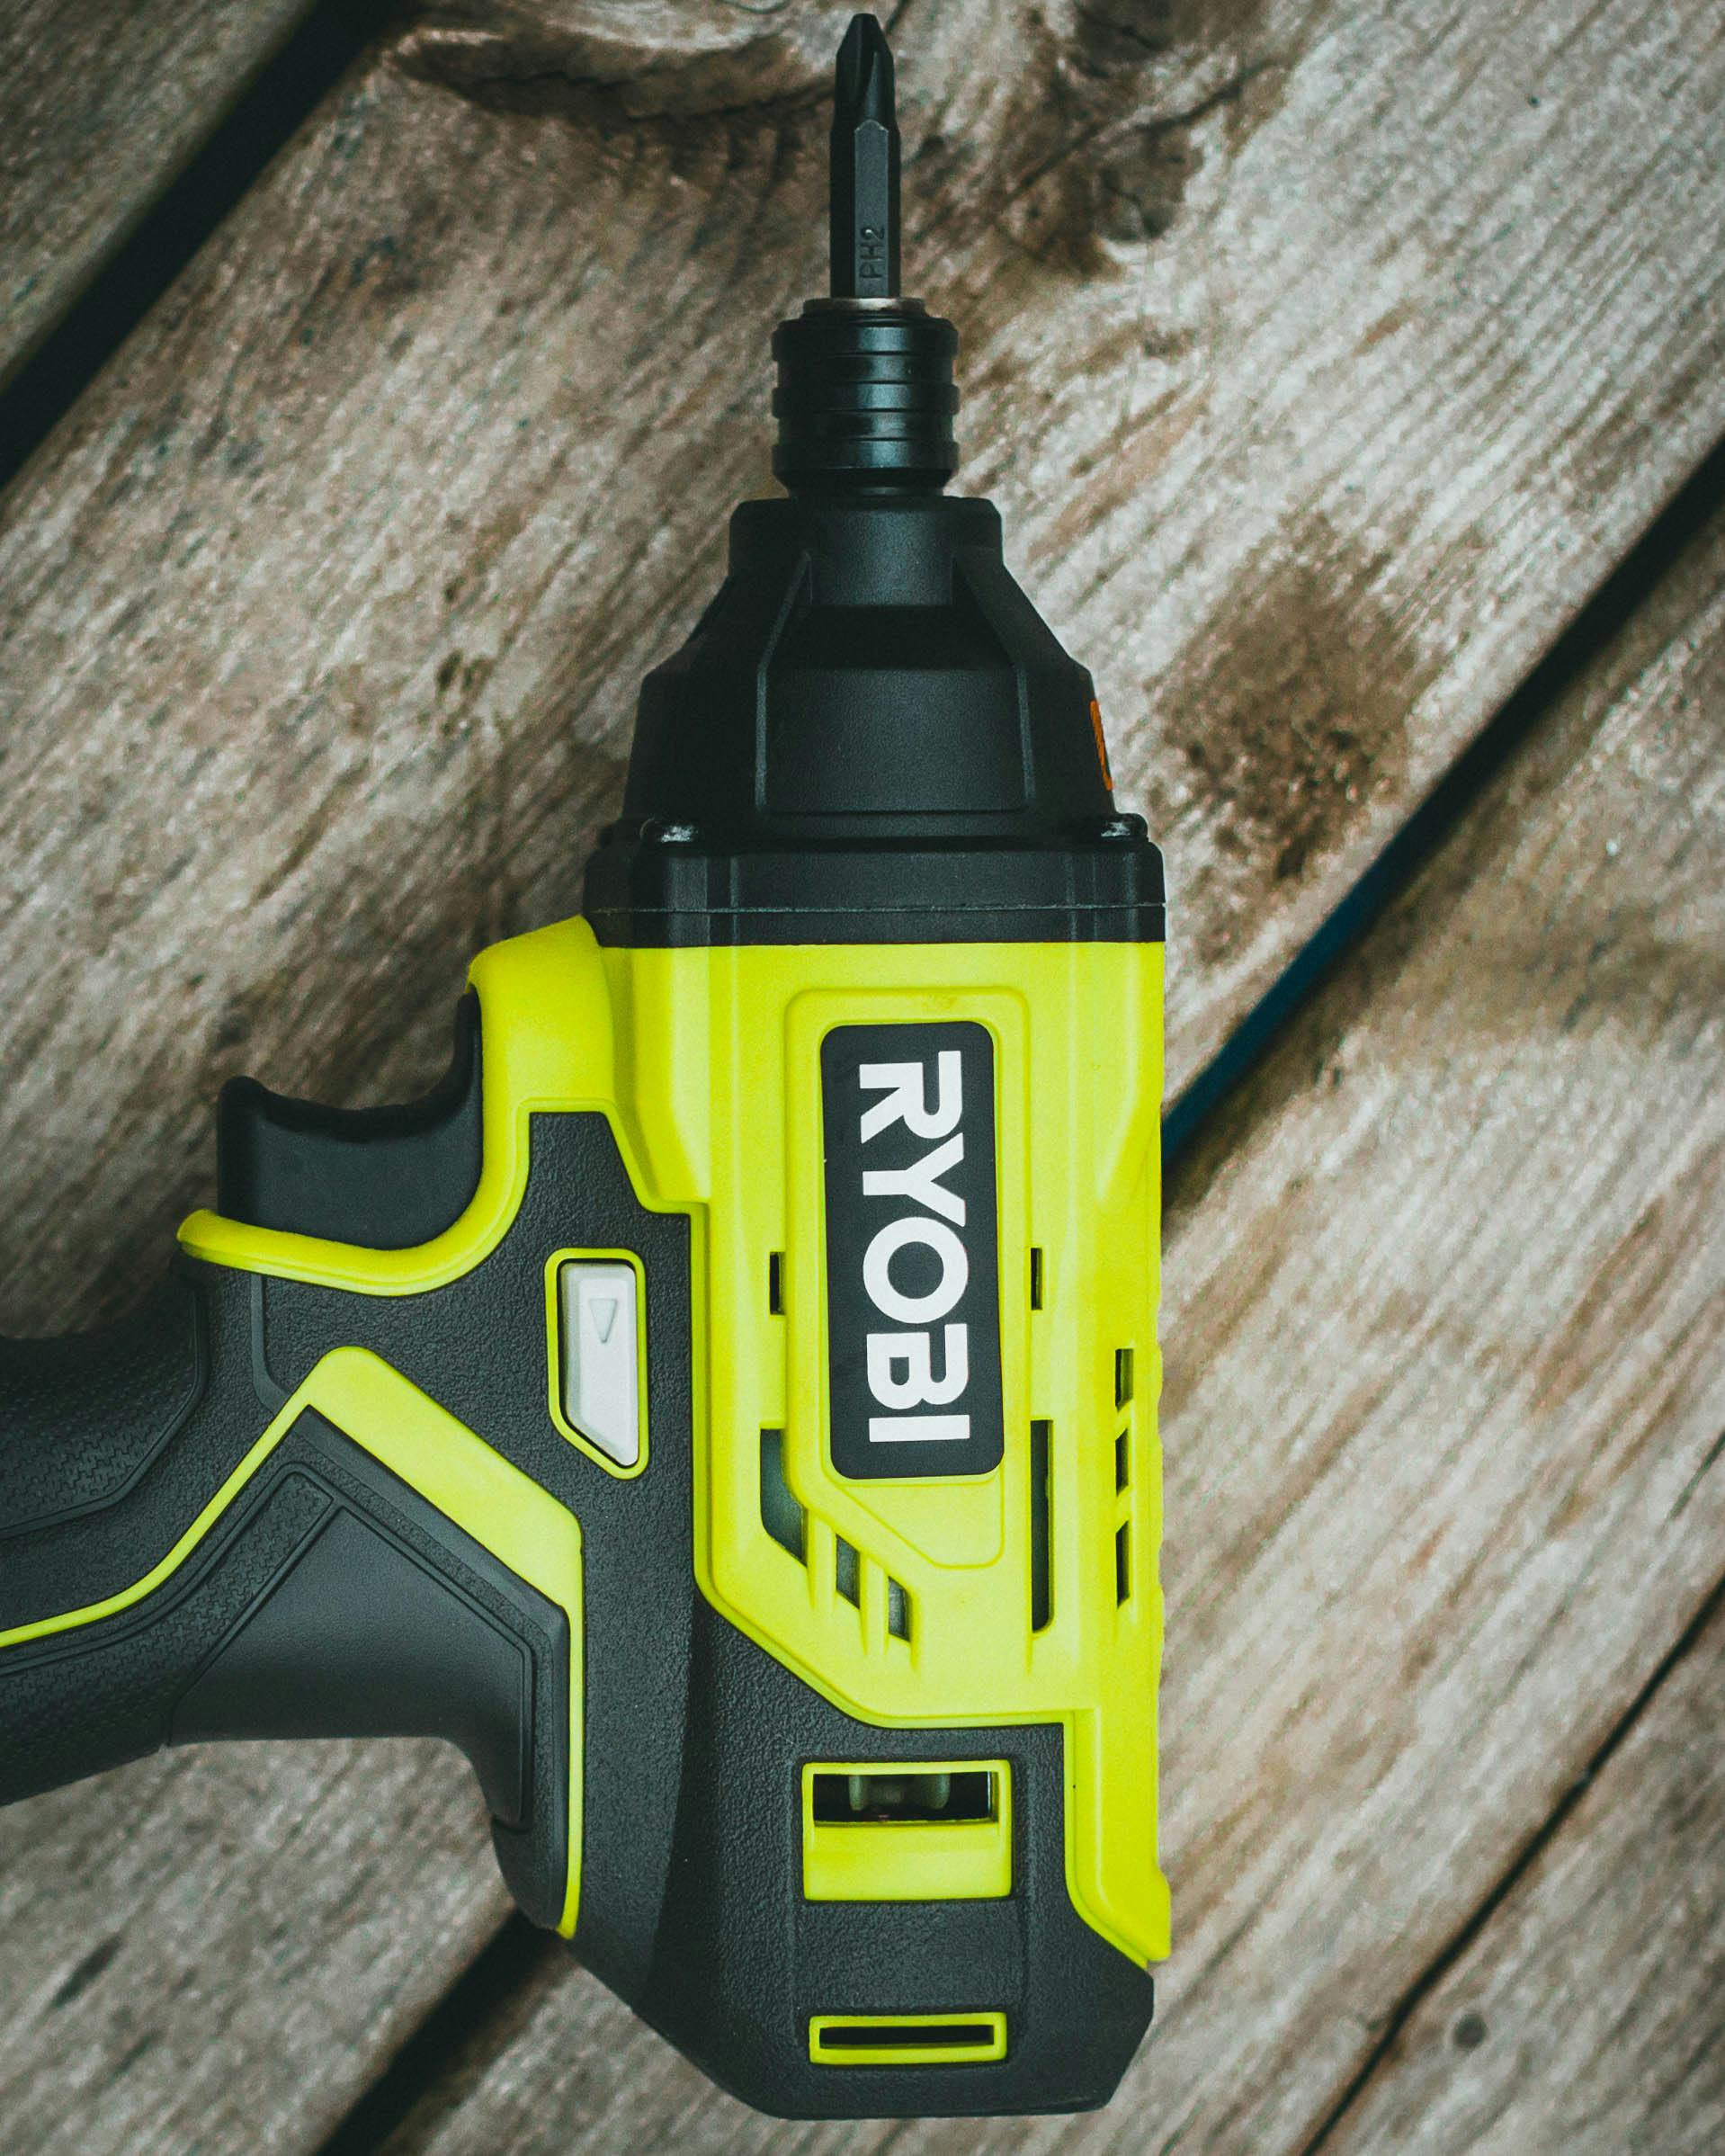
x: 499, y: 1972
x: 1580, y: 644
x: 481, y: 1997
x: 211, y: 185
x: 1549, y: 1828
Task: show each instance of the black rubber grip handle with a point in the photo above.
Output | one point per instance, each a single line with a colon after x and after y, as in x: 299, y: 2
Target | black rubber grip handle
x: 321, y: 1596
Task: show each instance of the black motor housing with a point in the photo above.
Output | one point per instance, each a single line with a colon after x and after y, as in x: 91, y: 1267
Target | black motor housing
x: 871, y: 736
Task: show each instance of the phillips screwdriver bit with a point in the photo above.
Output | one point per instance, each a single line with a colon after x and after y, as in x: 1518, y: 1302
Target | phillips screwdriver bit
x: 866, y: 167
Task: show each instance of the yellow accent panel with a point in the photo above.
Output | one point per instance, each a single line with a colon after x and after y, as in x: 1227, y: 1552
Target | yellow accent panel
x: 909, y: 1860
x: 452, y: 1469
x: 717, y: 1053
x: 554, y: 1337
x: 547, y: 1044
x: 826, y: 2050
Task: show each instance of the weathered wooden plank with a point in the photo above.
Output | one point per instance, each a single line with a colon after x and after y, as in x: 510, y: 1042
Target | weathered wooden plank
x: 327, y: 612
x: 145, y: 2007
x: 1588, y: 2014
x: 1442, y: 1425
x: 100, y: 108
x: 328, y: 608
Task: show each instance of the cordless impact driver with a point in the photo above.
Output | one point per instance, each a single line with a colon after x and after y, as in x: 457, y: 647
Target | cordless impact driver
x: 724, y: 1405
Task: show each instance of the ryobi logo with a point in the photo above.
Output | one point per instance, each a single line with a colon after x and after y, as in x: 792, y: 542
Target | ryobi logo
x: 913, y: 1315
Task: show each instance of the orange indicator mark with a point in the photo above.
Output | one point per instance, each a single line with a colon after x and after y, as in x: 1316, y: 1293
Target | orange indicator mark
x: 1102, y: 747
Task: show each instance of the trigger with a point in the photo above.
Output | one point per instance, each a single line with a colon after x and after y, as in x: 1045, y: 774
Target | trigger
x: 385, y: 1178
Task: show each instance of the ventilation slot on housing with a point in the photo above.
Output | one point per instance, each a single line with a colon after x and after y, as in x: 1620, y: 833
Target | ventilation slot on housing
x: 1123, y: 1376
x: 1036, y: 1277
x: 787, y: 1522
x: 1041, y: 1528
x: 781, y: 1516
x: 912, y: 1830
x: 775, y: 1284
x: 941, y: 1795
x: 906, y: 2039
x: 847, y: 1577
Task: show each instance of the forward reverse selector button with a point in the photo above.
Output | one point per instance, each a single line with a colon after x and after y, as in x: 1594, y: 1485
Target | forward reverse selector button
x: 599, y: 1321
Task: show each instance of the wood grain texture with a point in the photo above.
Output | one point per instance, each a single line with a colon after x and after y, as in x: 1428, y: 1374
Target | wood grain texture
x: 100, y: 108
x: 1320, y: 375
x: 210, y: 1951
x: 1588, y: 2015
x: 328, y: 608
x: 1442, y: 1425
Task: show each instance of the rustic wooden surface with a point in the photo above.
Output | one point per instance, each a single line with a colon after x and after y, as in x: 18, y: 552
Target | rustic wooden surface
x: 329, y: 605
x: 1588, y: 2014
x: 1322, y: 363
x: 100, y: 107
x: 145, y: 2008
x: 1443, y: 1427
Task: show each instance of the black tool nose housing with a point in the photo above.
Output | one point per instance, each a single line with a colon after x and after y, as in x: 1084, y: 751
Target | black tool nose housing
x: 871, y: 736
